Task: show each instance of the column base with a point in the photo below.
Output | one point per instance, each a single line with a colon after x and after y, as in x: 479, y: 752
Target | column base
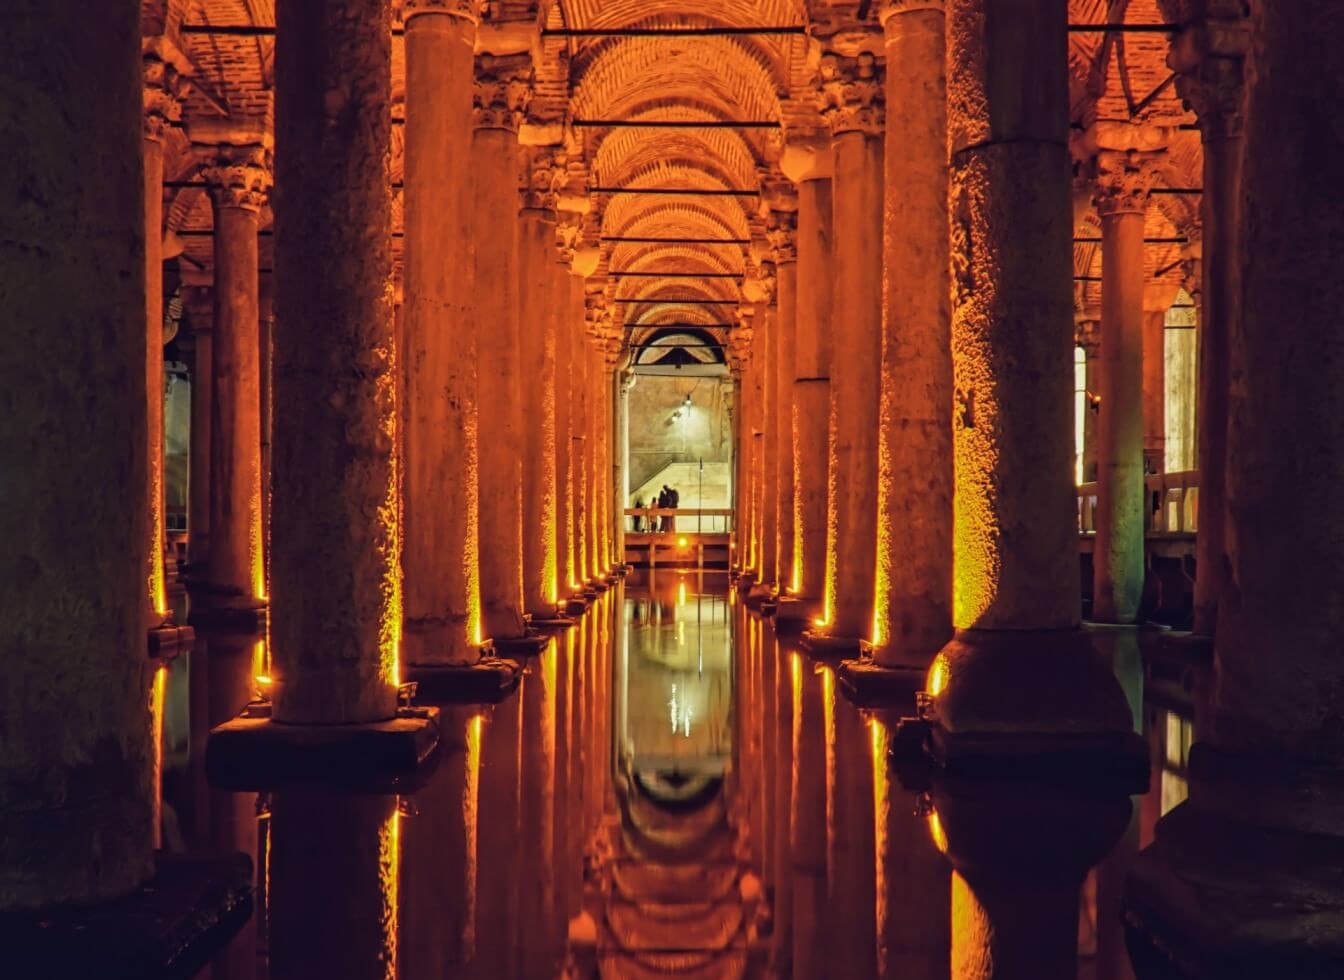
x: 255, y: 753
x: 168, y: 641
x: 576, y: 605
x: 1214, y: 900
x: 172, y: 926
x: 488, y: 681
x: 230, y: 618
x: 550, y: 624
x: 793, y: 614
x: 1033, y: 704
x: 831, y: 649
x: 520, y: 647
x: 760, y: 594
x: 745, y: 580
x: 868, y: 684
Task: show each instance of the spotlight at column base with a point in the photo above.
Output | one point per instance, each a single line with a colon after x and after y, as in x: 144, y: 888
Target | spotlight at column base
x: 1218, y: 898
x: 172, y: 926
x: 793, y: 614
x: 487, y: 681
x: 254, y: 753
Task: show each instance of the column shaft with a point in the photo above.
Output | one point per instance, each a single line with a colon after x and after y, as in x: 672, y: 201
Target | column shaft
x: 564, y: 483
x: 198, y: 479
x: 785, y: 330
x: 578, y: 347
x: 1154, y: 390
x: 536, y: 306
x: 856, y: 332
x: 154, y: 378
x: 913, y: 590
x: 335, y: 626
x: 76, y: 759
x: 811, y: 396
x: 1117, y: 562
x: 767, y: 324
x: 439, y: 488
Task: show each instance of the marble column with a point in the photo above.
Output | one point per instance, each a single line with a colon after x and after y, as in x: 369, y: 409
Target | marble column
x: 578, y: 458
x: 767, y: 321
x: 500, y: 98
x: 1154, y: 386
x: 536, y: 305
x: 164, y: 87
x: 238, y: 178
x: 564, y: 497
x: 913, y: 590
x: 1209, y: 56
x: 811, y: 381
x: 624, y: 381
x: 76, y: 759
x: 853, y: 107
x: 756, y: 433
x: 781, y: 234
x: 335, y: 620
x: 1124, y: 177
x: 1240, y: 873
x: 441, y: 550
x: 1088, y: 333
x: 200, y: 316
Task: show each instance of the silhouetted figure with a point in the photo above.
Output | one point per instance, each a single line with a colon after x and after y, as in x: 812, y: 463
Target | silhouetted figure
x: 639, y: 518
x: 673, y: 500
x: 664, y: 496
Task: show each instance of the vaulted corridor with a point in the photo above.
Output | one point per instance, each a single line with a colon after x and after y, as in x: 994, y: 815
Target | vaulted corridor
x: 753, y: 488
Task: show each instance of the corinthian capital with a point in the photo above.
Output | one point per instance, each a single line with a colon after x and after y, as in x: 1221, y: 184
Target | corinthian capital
x: 165, y: 88
x: 1208, y: 57
x: 851, y: 98
x: 781, y: 231
x: 502, y: 92
x: 544, y: 174
x: 237, y: 176
x: 1123, y: 180
x: 469, y: 10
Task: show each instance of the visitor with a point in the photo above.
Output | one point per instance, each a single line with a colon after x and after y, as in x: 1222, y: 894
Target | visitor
x: 639, y: 518
x: 673, y: 499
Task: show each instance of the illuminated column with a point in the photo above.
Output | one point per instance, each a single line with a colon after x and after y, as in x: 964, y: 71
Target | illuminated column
x: 536, y: 311
x: 164, y: 88
x: 439, y: 490
x: 238, y: 179
x: 578, y: 458
x: 76, y: 760
x: 913, y: 598
x: 768, y: 471
x: 500, y: 98
x: 1154, y: 384
x: 625, y: 380
x: 603, y: 394
x: 782, y: 231
x: 1124, y: 177
x: 852, y: 105
x: 591, y: 450
x: 811, y: 382
x: 756, y: 403
x: 1088, y: 336
x: 737, y: 367
x: 564, y: 494
x: 336, y: 615
x: 1209, y: 56
x: 1265, y: 784
x: 200, y: 316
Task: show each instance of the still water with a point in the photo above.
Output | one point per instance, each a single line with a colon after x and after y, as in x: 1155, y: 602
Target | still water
x: 673, y: 791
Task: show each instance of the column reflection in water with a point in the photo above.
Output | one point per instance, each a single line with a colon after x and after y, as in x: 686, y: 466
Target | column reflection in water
x: 807, y: 820
x: 537, y: 942
x: 781, y: 737
x: 497, y: 841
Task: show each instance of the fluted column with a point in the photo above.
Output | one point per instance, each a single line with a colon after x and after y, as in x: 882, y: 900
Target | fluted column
x: 441, y: 548
x: 811, y: 382
x: 1209, y: 55
x: 335, y: 622
x: 913, y: 614
x: 852, y: 102
x: 238, y: 179
x: 783, y: 243
x: 164, y: 87
x: 536, y: 306
x: 76, y: 758
x: 501, y: 94
x: 1124, y: 177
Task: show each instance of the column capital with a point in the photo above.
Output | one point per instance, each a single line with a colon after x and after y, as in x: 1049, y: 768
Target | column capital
x: 759, y: 285
x: 1123, y: 179
x: 781, y: 231
x: 544, y: 174
x: 1087, y: 334
x: 468, y: 10
x: 851, y: 95
x: 1209, y: 56
x: 165, y: 86
x: 502, y: 92
x: 237, y: 176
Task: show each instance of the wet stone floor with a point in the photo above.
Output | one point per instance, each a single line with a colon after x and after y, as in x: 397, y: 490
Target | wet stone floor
x: 673, y: 791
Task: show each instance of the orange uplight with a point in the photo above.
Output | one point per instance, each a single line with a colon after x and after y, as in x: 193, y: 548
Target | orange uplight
x: 820, y: 622
x: 682, y: 542
x: 937, y: 833
x: 389, y: 874
x: 936, y: 682
x: 262, y: 679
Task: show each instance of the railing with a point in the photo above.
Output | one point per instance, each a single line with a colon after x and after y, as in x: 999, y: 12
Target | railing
x: 1172, y: 504
x: 681, y: 520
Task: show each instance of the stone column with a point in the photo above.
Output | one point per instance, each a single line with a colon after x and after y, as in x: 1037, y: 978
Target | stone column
x: 1124, y: 177
x: 76, y: 758
x: 602, y: 395
x: 625, y: 380
x: 441, y: 619
x: 811, y: 382
x: 913, y: 591
x: 1088, y: 336
x: 767, y: 470
x: 755, y: 432
x: 853, y: 106
x: 1209, y: 55
x: 564, y: 496
x: 200, y: 315
x: 538, y: 339
x: 783, y: 243
x: 335, y: 622
x: 1239, y: 873
x: 578, y: 390
x: 1154, y: 386
x: 164, y: 88
x: 238, y: 178
x: 502, y: 89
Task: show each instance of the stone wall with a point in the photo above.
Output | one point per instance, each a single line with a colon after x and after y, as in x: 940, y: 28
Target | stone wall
x: 664, y: 430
